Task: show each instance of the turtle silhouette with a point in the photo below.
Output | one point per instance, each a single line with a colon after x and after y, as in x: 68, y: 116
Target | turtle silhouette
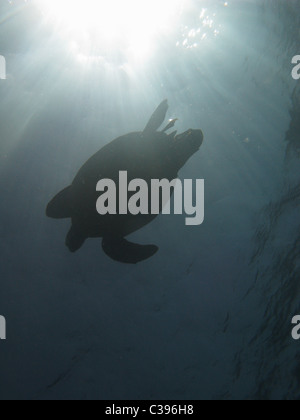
x: 146, y: 155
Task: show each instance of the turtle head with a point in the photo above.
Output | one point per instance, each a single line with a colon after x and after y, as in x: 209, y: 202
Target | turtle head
x: 182, y: 146
x: 186, y: 145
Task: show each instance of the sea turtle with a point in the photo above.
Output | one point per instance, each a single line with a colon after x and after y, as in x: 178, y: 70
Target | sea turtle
x: 145, y: 155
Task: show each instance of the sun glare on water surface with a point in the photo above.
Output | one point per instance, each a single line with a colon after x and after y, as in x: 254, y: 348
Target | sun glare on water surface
x: 91, y: 26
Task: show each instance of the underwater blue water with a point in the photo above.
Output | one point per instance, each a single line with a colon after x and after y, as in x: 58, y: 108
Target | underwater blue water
x: 209, y: 317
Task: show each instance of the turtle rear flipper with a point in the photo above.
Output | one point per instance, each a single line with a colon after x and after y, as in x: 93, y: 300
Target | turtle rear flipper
x: 74, y: 240
x: 119, y: 249
x: 61, y: 205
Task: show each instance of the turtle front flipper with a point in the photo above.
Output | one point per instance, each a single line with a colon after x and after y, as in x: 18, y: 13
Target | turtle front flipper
x: 119, y: 249
x: 157, y: 118
x: 170, y: 125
